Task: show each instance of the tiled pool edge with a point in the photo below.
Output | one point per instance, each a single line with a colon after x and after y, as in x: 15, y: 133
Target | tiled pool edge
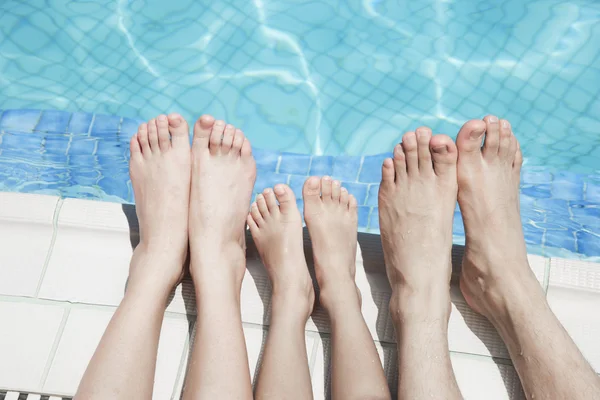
x: 82, y: 223
x: 560, y: 211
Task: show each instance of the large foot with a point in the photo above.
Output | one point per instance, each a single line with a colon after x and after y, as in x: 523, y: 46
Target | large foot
x: 160, y: 175
x: 223, y: 174
x: 330, y: 213
x: 417, y: 198
x: 488, y: 177
x: 277, y: 233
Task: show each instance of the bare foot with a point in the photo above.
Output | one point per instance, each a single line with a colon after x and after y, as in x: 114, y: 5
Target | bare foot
x: 330, y: 213
x: 160, y: 175
x: 223, y: 174
x: 488, y: 179
x: 277, y: 232
x: 417, y: 198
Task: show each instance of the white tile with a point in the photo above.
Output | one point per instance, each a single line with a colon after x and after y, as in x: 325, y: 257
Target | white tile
x: 578, y: 311
x: 255, y: 294
x: 26, y: 235
x: 28, y: 334
x: 321, y: 370
x: 12, y: 396
x: 34, y: 397
x: 254, y: 342
x: 81, y: 336
x: 98, y: 214
x: 482, y: 378
x: 575, y: 273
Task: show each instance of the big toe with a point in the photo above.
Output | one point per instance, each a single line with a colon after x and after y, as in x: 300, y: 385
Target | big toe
x: 285, y: 197
x: 469, y: 139
x: 444, y: 154
x: 311, y: 193
x: 178, y: 127
x: 202, y: 130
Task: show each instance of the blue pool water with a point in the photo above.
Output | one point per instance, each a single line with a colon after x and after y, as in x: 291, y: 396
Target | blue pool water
x: 337, y: 81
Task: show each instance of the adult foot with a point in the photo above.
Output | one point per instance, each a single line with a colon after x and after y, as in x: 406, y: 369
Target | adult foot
x: 330, y: 213
x: 417, y: 197
x: 223, y: 174
x: 160, y: 175
x: 488, y: 179
x: 277, y: 233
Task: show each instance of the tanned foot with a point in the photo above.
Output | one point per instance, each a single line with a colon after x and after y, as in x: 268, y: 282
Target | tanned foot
x: 417, y: 197
x: 488, y: 179
x: 223, y: 174
x: 330, y: 213
x: 160, y: 175
x: 277, y: 233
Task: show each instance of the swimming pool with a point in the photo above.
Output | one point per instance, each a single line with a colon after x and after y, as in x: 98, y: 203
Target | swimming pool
x: 337, y: 81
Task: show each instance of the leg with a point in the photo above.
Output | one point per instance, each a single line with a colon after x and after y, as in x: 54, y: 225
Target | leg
x: 417, y: 197
x: 123, y: 365
x: 277, y: 232
x: 331, y: 216
x: 496, y: 278
x: 223, y: 173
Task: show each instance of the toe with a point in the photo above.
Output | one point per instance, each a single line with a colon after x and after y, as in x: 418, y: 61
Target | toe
x: 202, y: 129
x: 504, y: 149
x: 336, y: 191
x: 252, y: 224
x: 180, y: 133
x: 262, y: 205
x: 399, y: 162
x: 326, y: 189
x: 444, y: 153
x: 311, y: 192
x: 492, y: 137
x: 352, y: 204
x: 238, y: 141
x: 469, y: 138
x: 424, y: 154
x: 256, y: 215
x: 216, y: 137
x: 228, y: 137
x: 387, y: 170
x: 134, y: 147
x: 246, y: 149
x: 344, y: 195
x: 271, y: 201
x: 409, y: 146
x: 164, y: 141
x: 153, y: 135
x: 142, y: 137
x: 518, y: 161
x: 286, y: 198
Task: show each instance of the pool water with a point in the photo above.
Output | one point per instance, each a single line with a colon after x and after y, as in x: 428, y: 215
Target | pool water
x: 332, y: 84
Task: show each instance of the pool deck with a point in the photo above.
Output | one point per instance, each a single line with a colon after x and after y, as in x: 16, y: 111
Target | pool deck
x: 64, y: 266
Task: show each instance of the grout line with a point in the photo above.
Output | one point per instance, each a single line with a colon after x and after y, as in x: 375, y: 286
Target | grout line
x: 39, y: 118
x: 546, y: 283
x: 495, y: 359
x: 89, y: 132
x: 360, y: 167
x: 59, y: 204
x: 54, y: 349
x: 278, y: 164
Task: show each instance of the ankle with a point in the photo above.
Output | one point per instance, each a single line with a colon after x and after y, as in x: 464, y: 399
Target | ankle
x: 423, y: 305
x: 340, y: 296
x: 292, y: 305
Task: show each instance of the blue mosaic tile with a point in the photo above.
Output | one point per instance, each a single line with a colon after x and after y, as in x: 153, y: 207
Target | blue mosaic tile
x: 265, y: 160
x: 458, y: 227
x: 80, y: 122
x: 345, y: 168
x: 53, y: 121
x: 533, y: 235
x: 533, y: 177
x: 56, y: 144
x: 567, y: 190
x: 561, y: 239
x: 374, y: 219
x: 588, y: 243
x: 266, y: 179
x: 359, y: 190
x: 84, y: 177
x: 321, y: 166
x: 537, y: 191
x: 592, y: 193
x: 83, y: 146
x: 105, y: 124
x: 296, y: 164
x: 363, y: 216
x: 129, y: 127
x: 372, y: 197
x: 19, y: 120
x: 296, y: 183
x: 371, y: 168
x: 21, y: 141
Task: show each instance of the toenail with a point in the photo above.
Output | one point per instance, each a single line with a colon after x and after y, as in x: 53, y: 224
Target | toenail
x: 162, y: 117
x: 476, y: 134
x: 440, y: 149
x: 505, y: 124
x: 279, y: 190
x: 336, y: 183
x: 268, y: 190
x: 326, y: 178
x: 493, y: 119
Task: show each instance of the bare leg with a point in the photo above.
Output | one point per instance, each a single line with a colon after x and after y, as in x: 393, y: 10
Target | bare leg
x: 277, y: 232
x: 124, y: 362
x: 223, y: 173
x: 496, y: 278
x: 331, y: 216
x: 417, y: 197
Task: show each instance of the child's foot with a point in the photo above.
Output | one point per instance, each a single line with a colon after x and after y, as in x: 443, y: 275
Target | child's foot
x: 223, y: 174
x: 331, y: 217
x: 277, y: 233
x: 160, y: 175
x: 417, y: 198
x: 488, y: 179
